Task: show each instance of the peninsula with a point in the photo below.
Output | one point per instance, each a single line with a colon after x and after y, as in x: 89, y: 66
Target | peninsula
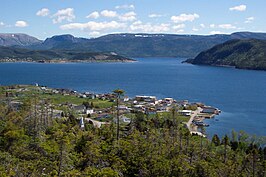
x: 11, y: 54
x: 242, y: 54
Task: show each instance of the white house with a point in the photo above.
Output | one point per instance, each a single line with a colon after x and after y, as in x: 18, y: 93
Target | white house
x: 89, y: 111
x: 186, y: 112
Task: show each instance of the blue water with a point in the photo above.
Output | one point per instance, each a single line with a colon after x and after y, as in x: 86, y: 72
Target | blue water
x: 240, y: 94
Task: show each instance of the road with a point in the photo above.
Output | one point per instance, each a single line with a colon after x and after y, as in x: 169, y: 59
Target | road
x: 192, y: 116
x: 96, y: 123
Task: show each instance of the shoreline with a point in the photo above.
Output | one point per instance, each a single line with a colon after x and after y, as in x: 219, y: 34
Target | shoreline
x: 195, y: 117
x: 66, y: 61
x: 224, y: 66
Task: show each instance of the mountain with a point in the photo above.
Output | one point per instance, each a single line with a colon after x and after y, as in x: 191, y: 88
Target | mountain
x: 18, y: 54
x: 145, y: 45
x: 61, y: 42
x: 240, y: 53
x: 136, y: 45
x: 142, y: 45
x: 248, y: 35
x: 17, y: 39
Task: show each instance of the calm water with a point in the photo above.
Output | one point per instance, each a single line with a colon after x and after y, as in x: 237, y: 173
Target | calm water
x: 240, y: 94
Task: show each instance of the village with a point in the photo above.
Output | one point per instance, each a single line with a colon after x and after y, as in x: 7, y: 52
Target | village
x: 102, y: 109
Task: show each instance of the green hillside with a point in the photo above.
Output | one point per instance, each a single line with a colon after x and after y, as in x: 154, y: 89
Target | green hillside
x: 242, y: 54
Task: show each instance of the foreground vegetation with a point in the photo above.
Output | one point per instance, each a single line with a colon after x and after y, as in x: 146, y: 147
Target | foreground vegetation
x: 149, y: 146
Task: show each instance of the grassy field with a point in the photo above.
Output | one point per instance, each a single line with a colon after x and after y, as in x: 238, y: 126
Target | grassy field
x: 30, y: 92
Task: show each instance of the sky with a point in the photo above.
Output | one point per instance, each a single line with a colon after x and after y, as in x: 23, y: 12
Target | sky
x: 93, y: 18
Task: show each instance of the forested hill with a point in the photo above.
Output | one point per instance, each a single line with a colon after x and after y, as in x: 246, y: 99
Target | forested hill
x: 131, y: 45
x: 19, y: 54
x: 242, y: 54
x: 144, y: 45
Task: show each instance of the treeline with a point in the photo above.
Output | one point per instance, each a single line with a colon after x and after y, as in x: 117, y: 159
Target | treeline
x: 149, y: 146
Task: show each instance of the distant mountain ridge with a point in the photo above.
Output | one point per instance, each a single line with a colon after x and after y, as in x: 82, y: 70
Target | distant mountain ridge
x: 17, y: 39
x: 240, y: 53
x: 140, y: 44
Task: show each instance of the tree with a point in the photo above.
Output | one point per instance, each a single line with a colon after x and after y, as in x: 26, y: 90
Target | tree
x: 225, y: 142
x: 118, y: 93
x: 216, y: 140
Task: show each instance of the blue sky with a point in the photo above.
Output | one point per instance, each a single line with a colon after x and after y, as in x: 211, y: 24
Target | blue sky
x: 88, y: 18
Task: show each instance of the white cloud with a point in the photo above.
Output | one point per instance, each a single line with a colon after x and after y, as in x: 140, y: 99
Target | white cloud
x: 212, y: 25
x: 109, y: 13
x: 180, y: 31
x: 129, y: 16
x: 216, y: 32
x: 149, y: 28
x: 137, y: 22
x: 64, y: 14
x: 184, y: 18
x: 2, y: 24
x: 202, y: 25
x: 93, y: 26
x: 125, y: 6
x: 179, y: 26
x: 21, y: 24
x: 94, y: 15
x: 43, y: 12
x: 238, y: 8
x: 249, y: 20
x: 195, y: 29
x: 227, y: 26
x: 155, y: 15
x: 94, y: 33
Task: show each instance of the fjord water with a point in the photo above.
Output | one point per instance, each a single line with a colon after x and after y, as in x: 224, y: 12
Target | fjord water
x: 240, y: 94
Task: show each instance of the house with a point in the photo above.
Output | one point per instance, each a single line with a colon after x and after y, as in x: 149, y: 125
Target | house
x: 123, y: 119
x: 126, y: 98
x: 90, y: 95
x: 89, y: 111
x: 80, y: 109
x: 122, y: 107
x: 185, y: 112
x: 83, y: 96
x: 146, y: 98
x: 209, y: 110
x: 169, y: 100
